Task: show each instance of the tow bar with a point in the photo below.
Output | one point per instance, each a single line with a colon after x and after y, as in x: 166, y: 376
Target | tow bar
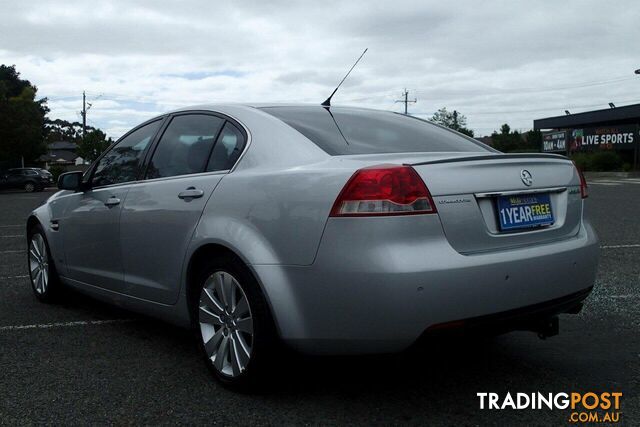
x: 548, y: 328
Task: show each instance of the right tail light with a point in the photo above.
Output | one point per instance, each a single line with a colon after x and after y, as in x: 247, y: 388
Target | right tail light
x: 584, y: 192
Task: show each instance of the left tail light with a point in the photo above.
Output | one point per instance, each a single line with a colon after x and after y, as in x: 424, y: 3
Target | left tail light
x: 384, y: 190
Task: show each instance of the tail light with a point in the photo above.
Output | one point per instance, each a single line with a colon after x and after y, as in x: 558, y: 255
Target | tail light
x: 584, y: 192
x: 384, y: 190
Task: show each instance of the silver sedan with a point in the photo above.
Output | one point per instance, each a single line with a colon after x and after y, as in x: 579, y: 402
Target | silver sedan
x: 331, y: 230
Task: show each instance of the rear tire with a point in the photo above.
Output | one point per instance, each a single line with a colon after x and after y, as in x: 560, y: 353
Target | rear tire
x: 236, y: 333
x: 44, y: 278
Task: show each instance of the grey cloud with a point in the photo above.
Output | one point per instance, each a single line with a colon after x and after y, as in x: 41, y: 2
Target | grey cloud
x: 469, y: 55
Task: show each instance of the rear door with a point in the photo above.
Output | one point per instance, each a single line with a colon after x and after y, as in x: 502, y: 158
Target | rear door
x: 161, y: 212
x: 90, y: 226
x: 15, y: 179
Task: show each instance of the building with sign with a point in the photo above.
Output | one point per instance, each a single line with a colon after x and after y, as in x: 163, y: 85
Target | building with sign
x: 614, y: 129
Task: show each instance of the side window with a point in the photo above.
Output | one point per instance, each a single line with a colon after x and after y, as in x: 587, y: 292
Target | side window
x: 121, y: 163
x: 227, y: 149
x: 185, y: 146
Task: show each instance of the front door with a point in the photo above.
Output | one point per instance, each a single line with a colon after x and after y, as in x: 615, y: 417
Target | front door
x: 90, y: 231
x: 91, y: 223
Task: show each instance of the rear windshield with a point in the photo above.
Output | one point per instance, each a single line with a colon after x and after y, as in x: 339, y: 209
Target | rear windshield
x: 340, y: 131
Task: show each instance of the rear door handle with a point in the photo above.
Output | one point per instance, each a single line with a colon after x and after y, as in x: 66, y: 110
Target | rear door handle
x: 112, y: 201
x: 191, y: 193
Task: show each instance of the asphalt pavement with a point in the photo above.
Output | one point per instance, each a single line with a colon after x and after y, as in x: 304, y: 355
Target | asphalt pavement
x: 84, y: 362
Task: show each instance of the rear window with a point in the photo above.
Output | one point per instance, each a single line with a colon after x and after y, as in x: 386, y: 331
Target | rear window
x: 341, y: 131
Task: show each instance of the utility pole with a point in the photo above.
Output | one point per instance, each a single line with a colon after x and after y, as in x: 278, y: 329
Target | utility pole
x: 406, y: 100
x: 84, y: 115
x: 86, y: 106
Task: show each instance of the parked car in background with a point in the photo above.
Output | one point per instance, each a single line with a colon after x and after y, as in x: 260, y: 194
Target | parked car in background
x: 28, y: 179
x: 333, y: 230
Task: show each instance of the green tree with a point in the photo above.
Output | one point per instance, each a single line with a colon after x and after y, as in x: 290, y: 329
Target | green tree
x: 451, y: 119
x: 93, y: 145
x: 22, y: 124
x: 62, y: 130
x: 508, y: 141
x: 534, y: 139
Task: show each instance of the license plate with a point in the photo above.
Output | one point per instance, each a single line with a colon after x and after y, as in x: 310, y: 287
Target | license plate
x: 524, y: 211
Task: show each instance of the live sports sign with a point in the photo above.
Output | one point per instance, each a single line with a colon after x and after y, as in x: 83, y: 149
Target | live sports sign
x: 623, y: 137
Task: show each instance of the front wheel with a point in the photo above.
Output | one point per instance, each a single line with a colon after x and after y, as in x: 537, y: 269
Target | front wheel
x: 236, y: 330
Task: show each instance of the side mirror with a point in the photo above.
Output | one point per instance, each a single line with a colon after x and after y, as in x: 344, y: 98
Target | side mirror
x: 70, y: 181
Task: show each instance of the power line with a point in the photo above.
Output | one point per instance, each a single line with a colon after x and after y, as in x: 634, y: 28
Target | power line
x: 541, y: 90
x: 536, y: 110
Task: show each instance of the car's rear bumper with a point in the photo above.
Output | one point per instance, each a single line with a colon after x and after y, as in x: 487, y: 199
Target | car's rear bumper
x: 379, y: 288
x: 534, y: 317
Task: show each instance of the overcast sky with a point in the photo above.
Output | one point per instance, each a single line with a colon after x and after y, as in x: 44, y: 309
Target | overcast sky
x: 495, y: 62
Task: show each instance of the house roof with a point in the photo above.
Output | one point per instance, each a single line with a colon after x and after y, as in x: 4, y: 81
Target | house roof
x: 62, y: 145
x: 59, y: 155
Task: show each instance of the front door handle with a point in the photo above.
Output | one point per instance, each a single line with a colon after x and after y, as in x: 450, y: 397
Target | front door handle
x: 191, y: 193
x: 112, y: 201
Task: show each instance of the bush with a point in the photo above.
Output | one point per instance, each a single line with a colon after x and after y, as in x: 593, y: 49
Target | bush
x: 56, y: 171
x: 582, y: 161
x: 599, y: 161
x: 606, y: 161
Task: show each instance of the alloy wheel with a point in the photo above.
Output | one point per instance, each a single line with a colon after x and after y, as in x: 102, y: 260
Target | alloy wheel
x: 39, y: 264
x: 29, y: 187
x: 226, y: 324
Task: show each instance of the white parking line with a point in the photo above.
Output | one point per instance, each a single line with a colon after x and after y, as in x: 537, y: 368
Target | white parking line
x: 615, y: 181
x: 611, y: 182
x: 7, y: 226
x: 12, y: 252
x: 64, y: 324
x: 14, y: 277
x: 13, y: 235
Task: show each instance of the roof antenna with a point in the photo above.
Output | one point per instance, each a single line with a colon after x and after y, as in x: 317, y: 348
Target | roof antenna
x: 327, y: 103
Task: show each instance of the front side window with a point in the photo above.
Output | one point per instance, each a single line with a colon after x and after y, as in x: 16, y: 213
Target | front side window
x: 121, y: 163
x: 185, y: 146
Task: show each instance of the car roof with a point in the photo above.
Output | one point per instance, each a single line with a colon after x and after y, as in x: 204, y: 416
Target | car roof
x: 253, y: 105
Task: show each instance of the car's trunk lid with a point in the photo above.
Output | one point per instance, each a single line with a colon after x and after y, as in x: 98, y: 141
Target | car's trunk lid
x: 466, y: 189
